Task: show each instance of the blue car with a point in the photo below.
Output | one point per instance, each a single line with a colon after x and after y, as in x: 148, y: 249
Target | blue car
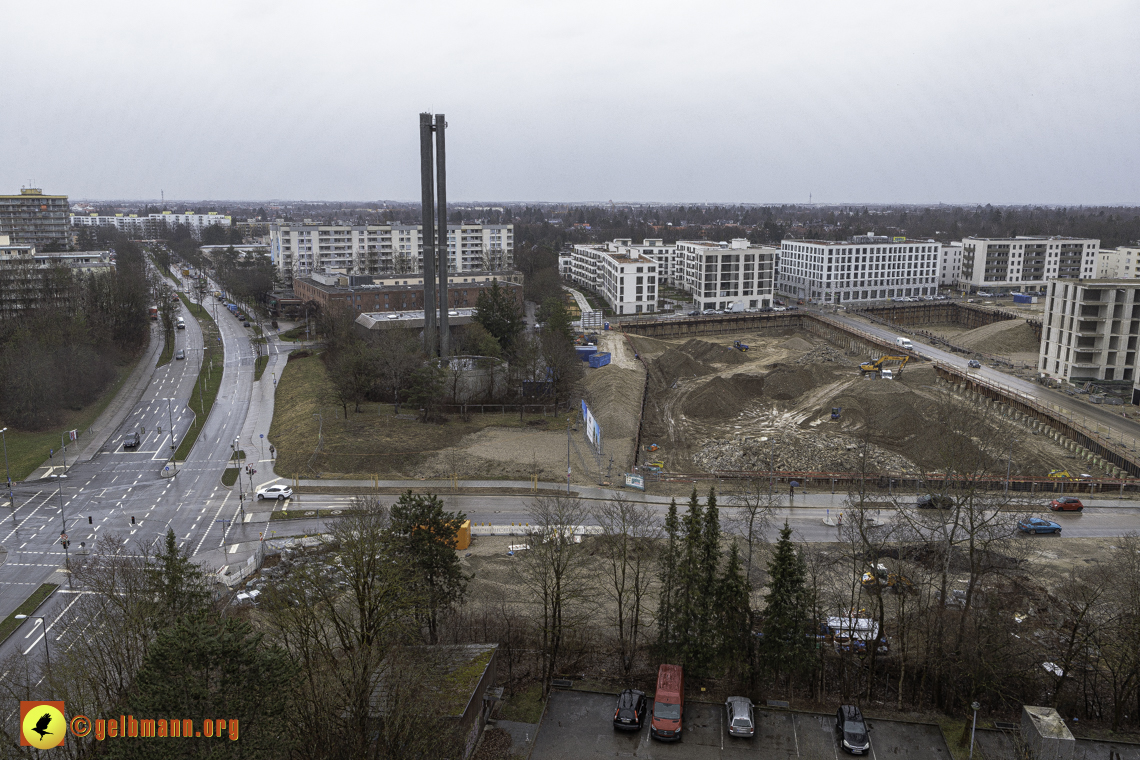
x: 1038, y: 525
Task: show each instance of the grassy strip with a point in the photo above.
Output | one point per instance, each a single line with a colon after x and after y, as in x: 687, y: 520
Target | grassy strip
x: 389, y: 490
x: 209, y: 379
x: 164, y: 270
x: 297, y: 333
x: 230, y: 476
x: 167, y: 350
x: 38, y: 597
x: 524, y: 706
x: 26, y: 449
x: 259, y: 367
x: 308, y: 514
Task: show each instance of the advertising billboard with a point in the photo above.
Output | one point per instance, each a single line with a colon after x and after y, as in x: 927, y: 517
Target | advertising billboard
x: 593, y: 429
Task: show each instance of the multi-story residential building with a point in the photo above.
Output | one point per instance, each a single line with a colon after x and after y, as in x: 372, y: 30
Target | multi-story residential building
x: 301, y: 249
x: 1118, y: 263
x: 718, y: 275
x: 1025, y: 263
x: 565, y: 265
x: 367, y: 294
x: 1090, y: 329
x: 726, y: 276
x: 32, y: 218
x: 153, y: 224
x: 950, y: 264
x: 22, y: 274
x: 864, y: 268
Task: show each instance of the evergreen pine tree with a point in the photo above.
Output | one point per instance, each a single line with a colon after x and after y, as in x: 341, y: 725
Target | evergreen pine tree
x: 177, y: 583
x: 667, y: 572
x: 786, y: 647
x: 732, y: 614
x: 688, y: 602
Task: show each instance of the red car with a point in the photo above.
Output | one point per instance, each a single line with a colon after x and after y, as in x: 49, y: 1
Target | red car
x: 1067, y: 504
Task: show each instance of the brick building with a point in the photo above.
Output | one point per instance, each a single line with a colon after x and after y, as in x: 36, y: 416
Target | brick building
x: 367, y: 294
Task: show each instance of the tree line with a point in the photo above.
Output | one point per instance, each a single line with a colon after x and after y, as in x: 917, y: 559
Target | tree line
x: 390, y: 365
x: 63, y: 333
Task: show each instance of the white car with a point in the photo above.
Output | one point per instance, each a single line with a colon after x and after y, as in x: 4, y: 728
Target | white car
x: 274, y: 492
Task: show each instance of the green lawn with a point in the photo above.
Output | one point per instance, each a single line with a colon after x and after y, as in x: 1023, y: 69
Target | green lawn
x: 38, y: 597
x: 259, y: 367
x: 27, y: 450
x: 209, y: 377
x: 524, y: 706
x: 230, y: 476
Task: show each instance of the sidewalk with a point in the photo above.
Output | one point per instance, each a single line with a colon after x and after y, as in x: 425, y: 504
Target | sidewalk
x: 583, y: 304
x: 255, y: 432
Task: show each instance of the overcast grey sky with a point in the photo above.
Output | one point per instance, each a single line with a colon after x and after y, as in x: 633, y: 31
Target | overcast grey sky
x: 753, y: 101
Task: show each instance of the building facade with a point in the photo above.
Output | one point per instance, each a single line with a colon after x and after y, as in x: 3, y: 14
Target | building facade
x: 302, y: 249
x: 1118, y: 263
x: 1025, y: 264
x: 1090, y: 330
x: 32, y: 218
x: 725, y: 276
x: 362, y: 294
x: 718, y: 275
x: 153, y: 224
x: 865, y: 268
x: 950, y: 264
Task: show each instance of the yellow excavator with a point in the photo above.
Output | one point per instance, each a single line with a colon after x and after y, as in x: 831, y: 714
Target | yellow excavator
x: 879, y: 364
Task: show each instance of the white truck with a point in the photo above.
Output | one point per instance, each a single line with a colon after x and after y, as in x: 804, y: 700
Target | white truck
x: 904, y: 343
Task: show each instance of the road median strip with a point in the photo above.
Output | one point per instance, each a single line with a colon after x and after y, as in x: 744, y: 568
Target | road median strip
x: 209, y: 378
x: 30, y: 605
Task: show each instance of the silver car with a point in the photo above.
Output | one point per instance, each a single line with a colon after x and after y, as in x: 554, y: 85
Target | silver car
x: 740, y: 717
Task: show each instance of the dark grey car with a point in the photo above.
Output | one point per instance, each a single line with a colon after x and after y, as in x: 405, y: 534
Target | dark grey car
x: 740, y: 717
x: 852, y: 730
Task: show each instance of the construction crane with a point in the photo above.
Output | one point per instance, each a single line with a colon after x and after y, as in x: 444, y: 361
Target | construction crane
x: 878, y: 364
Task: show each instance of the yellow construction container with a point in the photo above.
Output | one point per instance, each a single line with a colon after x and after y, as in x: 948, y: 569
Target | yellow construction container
x: 463, y: 536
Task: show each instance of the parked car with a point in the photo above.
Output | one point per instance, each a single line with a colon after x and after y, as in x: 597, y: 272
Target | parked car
x: 245, y: 324
x: 852, y: 730
x: 668, y: 704
x: 1038, y: 525
x: 928, y: 501
x: 274, y: 492
x: 132, y: 441
x: 1067, y: 504
x: 180, y: 354
x: 695, y: 313
x: 629, y: 714
x: 740, y: 717
x: 974, y: 364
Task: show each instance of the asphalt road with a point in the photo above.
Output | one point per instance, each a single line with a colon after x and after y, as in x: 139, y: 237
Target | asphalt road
x: 102, y: 495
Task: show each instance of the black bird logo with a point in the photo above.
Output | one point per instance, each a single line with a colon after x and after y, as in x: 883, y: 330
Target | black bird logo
x: 42, y: 724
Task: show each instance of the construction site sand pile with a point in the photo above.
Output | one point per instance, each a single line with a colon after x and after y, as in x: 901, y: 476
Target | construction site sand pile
x: 706, y: 352
x: 614, y: 396
x: 722, y: 398
x: 822, y: 355
x: 672, y: 365
x: 1004, y: 338
x: 648, y: 347
x: 796, y: 344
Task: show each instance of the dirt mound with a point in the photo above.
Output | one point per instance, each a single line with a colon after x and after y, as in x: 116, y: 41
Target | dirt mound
x: 724, y: 397
x: 796, y: 344
x: 822, y: 355
x: 1011, y: 336
x: 648, y: 347
x: 673, y: 364
x: 787, y: 383
x: 706, y: 352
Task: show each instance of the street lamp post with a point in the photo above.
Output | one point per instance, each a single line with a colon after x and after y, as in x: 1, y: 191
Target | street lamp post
x: 976, y: 706
x: 8, y: 472
x: 170, y: 419
x: 47, y: 652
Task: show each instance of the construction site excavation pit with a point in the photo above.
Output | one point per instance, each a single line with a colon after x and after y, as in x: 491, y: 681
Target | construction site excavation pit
x: 712, y: 407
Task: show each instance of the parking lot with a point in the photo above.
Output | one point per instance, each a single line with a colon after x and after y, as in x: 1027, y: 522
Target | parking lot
x: 580, y: 725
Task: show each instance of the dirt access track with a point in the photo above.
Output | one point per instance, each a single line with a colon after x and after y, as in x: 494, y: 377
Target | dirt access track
x: 709, y: 405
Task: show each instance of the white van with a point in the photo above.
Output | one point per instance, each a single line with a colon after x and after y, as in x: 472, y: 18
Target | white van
x: 904, y: 343
x: 181, y: 324
x: 886, y: 374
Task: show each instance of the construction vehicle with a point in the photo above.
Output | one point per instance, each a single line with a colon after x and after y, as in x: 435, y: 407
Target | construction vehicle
x: 739, y: 346
x: 878, y: 364
x: 658, y: 465
x: 1060, y: 474
x: 652, y: 447
x: 836, y: 411
x: 882, y: 577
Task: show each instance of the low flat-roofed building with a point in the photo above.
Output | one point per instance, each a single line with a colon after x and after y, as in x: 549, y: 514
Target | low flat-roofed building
x: 366, y: 293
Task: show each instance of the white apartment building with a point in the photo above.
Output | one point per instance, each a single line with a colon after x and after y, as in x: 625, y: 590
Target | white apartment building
x: 1090, y: 329
x: 628, y: 281
x: 1118, y: 263
x: 726, y: 276
x: 950, y: 264
x: 152, y: 223
x: 301, y: 249
x: 865, y: 268
x: 718, y: 275
x: 1025, y: 263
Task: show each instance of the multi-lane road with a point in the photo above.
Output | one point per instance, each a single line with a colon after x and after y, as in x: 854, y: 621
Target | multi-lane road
x: 137, y: 495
